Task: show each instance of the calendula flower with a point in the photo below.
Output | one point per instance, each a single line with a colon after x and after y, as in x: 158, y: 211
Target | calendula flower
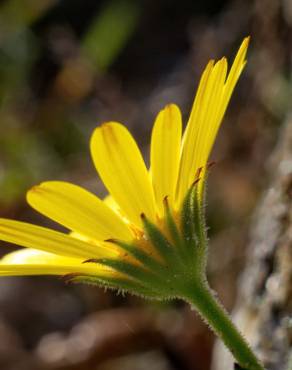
x: 148, y: 236
x: 139, y: 238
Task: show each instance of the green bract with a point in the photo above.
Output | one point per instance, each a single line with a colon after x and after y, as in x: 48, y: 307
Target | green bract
x: 179, y: 260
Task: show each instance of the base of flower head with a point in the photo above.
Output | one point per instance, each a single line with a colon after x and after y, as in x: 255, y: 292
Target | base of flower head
x: 175, y: 259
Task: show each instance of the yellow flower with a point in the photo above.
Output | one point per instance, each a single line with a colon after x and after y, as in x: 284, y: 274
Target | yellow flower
x: 145, y: 236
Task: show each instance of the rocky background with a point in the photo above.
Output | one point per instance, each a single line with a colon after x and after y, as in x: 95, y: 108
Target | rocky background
x: 69, y: 65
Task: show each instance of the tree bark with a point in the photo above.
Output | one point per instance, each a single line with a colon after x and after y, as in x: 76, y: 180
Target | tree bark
x: 263, y: 310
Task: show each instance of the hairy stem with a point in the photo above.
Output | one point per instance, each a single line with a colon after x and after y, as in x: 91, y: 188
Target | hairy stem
x: 203, y: 300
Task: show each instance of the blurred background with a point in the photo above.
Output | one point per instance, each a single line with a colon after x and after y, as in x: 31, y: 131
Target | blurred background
x: 68, y: 65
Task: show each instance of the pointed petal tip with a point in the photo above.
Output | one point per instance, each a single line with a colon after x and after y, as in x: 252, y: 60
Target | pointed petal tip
x: 243, y: 47
x: 105, y: 125
x: 246, y: 40
x: 222, y: 60
x: 39, y: 189
x: 34, y: 189
x: 171, y: 107
x: 103, y: 128
x: 108, y: 125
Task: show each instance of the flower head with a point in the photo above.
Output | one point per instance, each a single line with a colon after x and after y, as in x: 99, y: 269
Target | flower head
x: 148, y: 236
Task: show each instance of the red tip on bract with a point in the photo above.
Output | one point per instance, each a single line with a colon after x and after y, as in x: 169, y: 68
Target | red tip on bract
x: 210, y: 164
x: 165, y: 201
x: 91, y: 260
x: 111, y: 240
x: 69, y: 277
x: 196, y: 181
x: 198, y: 173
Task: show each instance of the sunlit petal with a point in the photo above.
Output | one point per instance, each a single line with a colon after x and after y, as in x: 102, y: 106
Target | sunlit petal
x: 210, y: 104
x: 78, y: 210
x: 33, y: 262
x: 165, y: 154
x: 121, y: 167
x: 37, y: 237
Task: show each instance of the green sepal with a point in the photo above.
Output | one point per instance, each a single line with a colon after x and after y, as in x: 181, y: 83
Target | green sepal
x: 138, y: 273
x: 117, y: 284
x: 165, y: 249
x: 189, y: 221
x: 146, y: 259
x: 193, y: 227
x: 171, y: 225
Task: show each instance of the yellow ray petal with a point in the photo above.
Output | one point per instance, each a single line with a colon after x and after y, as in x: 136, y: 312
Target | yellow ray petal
x: 190, y: 134
x: 78, y: 210
x: 121, y: 167
x: 110, y: 202
x: 33, y: 262
x: 229, y: 85
x: 37, y: 237
x: 210, y: 104
x: 165, y: 154
x: 236, y: 69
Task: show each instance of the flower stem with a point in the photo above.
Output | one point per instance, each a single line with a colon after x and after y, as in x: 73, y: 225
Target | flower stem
x: 202, y: 298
